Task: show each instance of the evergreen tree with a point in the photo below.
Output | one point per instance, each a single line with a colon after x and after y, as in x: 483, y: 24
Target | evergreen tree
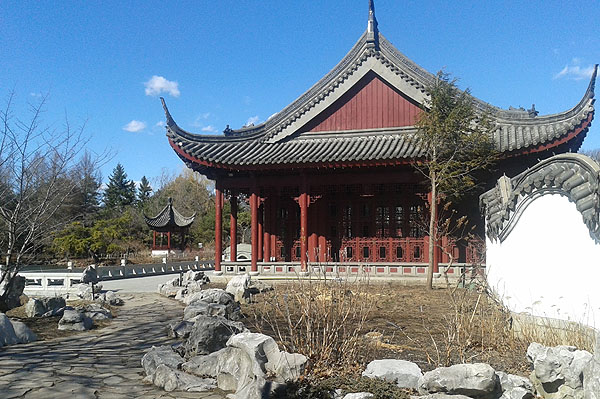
x: 455, y: 141
x: 86, y: 196
x: 120, y: 192
x: 144, y: 191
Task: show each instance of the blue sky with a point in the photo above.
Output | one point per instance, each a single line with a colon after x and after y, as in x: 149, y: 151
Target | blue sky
x: 234, y: 61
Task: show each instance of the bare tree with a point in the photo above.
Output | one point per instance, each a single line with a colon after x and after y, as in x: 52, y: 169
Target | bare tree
x: 37, y: 165
x: 455, y: 141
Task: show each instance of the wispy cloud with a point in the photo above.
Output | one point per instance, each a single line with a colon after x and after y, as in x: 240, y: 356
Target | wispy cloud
x: 209, y: 129
x: 158, y: 84
x: 252, y: 120
x: 135, y: 126
x: 575, y: 71
x: 160, y: 124
x: 36, y: 95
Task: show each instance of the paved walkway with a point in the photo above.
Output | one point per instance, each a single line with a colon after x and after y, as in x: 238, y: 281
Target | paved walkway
x: 103, y: 363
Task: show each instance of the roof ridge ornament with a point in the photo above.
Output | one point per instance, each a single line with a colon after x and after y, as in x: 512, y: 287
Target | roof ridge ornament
x: 372, y: 29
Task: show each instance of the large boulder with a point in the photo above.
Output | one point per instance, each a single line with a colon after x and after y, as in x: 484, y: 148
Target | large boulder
x: 514, y: 386
x: 475, y: 380
x: 23, y: 333
x: 251, y: 365
x: 12, y: 293
x: 557, y: 371
x: 34, y: 307
x: 201, y: 308
x: 89, y: 275
x: 7, y: 332
x: 45, y: 307
x: 209, y: 334
x: 359, y: 395
x: 74, y: 320
x: 401, y: 372
x: 86, y: 291
x: 217, y: 296
x: 158, y: 355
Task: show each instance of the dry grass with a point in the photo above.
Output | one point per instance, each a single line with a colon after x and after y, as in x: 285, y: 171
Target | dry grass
x: 322, y: 319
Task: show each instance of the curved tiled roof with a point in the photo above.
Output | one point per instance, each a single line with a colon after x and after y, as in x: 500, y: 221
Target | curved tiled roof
x: 574, y: 176
x: 168, y: 218
x: 278, y: 142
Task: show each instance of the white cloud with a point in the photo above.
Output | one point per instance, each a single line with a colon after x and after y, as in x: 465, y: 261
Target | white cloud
x: 160, y: 124
x: 36, y: 95
x: 252, y: 120
x: 575, y: 71
x: 134, y: 126
x: 209, y: 129
x: 158, y: 84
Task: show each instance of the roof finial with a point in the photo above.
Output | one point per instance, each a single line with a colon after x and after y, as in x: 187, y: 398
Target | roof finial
x: 372, y: 24
x: 372, y: 31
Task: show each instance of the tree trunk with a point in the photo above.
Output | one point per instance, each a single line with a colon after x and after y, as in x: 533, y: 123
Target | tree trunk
x: 432, y: 229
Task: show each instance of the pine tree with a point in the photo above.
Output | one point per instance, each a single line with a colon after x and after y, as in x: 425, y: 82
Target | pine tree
x: 144, y: 191
x: 120, y: 191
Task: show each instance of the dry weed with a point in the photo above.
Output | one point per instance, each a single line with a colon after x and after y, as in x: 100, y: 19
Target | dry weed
x: 322, y: 319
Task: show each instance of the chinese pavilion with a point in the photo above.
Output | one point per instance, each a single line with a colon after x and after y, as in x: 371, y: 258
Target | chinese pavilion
x: 167, y: 222
x: 330, y: 178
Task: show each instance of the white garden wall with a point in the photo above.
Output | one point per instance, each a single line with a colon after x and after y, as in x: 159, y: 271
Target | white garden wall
x: 548, y: 265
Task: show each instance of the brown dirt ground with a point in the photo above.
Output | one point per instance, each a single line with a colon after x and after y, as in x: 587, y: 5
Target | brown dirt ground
x: 414, y: 323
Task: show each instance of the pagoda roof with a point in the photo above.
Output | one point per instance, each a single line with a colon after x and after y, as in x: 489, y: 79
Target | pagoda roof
x: 285, y: 140
x: 169, y: 219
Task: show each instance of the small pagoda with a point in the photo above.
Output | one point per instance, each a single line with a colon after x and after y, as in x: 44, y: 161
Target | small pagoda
x: 168, y: 222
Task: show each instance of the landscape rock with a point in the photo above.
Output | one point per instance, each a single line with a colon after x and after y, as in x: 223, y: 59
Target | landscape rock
x: 260, y: 348
x: 180, y: 329
x: 111, y: 298
x: 238, y: 287
x: 97, y: 312
x: 84, y: 291
x: 591, y: 374
x: 23, y: 333
x: 12, y: 294
x: 204, y: 364
x: 158, y: 355
x: 401, y: 372
x: 7, y: 332
x: 34, y: 307
x: 209, y: 334
x: 217, y: 296
x: 558, y: 371
x: 45, y: 307
x: 174, y: 380
x: 478, y: 379
x: 287, y: 366
x: 203, y: 308
x: 74, y: 320
x: 359, y: 395
x: 514, y: 386
x: 440, y: 395
x: 89, y: 275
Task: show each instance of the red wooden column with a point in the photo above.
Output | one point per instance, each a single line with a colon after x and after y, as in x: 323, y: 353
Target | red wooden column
x: 273, y: 223
x: 260, y: 230
x: 303, y: 202
x: 218, y: 227
x: 153, y: 239
x: 233, y: 227
x: 254, y: 231
x: 169, y: 240
x: 267, y: 231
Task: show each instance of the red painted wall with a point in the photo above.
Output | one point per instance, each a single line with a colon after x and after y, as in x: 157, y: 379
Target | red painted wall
x: 372, y: 103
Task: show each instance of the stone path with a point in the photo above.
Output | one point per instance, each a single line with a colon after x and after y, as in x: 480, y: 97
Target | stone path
x: 102, y: 363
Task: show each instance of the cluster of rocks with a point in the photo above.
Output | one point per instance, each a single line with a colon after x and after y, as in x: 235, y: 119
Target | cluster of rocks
x: 561, y: 372
x: 14, y: 332
x: 217, y: 351
x: 187, y: 283
x: 45, y: 307
x: 82, y: 318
